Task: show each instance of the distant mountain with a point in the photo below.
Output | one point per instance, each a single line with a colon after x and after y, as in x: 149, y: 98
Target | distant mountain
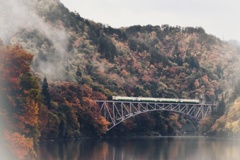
x: 174, y: 60
x: 234, y: 43
x: 152, y: 61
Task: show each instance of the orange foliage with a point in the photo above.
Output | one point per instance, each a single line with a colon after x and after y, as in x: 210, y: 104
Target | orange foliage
x: 173, y: 69
x: 124, y: 73
x: 103, y: 125
x: 21, y: 92
x: 88, y: 102
x: 99, y: 95
x: 205, y: 77
x: 30, y: 114
x: 146, y: 78
x: 15, y: 61
x: 87, y: 91
x: 21, y: 146
x: 196, y: 84
x: 77, y: 42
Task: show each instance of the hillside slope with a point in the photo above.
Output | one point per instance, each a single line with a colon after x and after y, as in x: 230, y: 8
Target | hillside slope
x: 83, y: 60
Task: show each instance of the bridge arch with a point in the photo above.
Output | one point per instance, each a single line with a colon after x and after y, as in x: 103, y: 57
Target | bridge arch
x: 118, y: 111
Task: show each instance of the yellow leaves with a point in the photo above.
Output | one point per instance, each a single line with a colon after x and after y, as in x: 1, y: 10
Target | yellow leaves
x: 233, y: 127
x: 219, y: 124
x: 228, y: 126
x: 236, y: 127
x: 204, y: 124
x: 232, y: 121
x: 163, y: 85
x: 204, y: 121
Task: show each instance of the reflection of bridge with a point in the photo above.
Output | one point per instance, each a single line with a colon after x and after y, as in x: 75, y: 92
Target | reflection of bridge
x: 118, y: 111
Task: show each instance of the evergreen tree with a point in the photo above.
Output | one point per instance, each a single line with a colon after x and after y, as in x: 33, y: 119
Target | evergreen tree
x: 79, y: 75
x: 221, y: 107
x: 237, y: 89
x: 46, y: 94
x: 107, y: 48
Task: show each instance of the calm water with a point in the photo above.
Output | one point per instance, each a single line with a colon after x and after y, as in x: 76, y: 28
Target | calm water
x: 147, y: 148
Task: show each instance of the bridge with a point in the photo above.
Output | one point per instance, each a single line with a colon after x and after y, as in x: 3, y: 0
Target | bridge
x: 118, y: 111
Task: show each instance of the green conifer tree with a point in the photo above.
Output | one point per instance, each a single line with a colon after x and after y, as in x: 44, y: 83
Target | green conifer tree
x: 46, y: 94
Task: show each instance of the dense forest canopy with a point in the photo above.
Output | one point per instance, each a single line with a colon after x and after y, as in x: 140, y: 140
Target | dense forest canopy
x: 53, y: 69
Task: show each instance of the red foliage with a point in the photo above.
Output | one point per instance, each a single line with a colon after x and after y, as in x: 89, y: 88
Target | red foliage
x: 124, y: 73
x: 173, y: 69
x: 87, y: 91
x: 14, y: 61
x: 20, y: 100
x: 98, y: 95
x: 81, y: 101
x: 205, y: 77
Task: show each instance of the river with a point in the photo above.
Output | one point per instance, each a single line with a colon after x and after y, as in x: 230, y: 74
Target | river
x: 142, y: 148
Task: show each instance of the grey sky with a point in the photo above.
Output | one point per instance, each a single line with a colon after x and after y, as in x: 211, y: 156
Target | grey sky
x: 217, y: 17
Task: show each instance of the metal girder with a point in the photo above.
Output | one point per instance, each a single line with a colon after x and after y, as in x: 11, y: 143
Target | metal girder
x: 117, y: 111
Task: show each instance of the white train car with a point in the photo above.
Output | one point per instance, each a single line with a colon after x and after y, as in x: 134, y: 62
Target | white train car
x: 189, y: 100
x: 147, y: 99
x: 151, y: 99
x: 168, y: 100
x: 122, y: 98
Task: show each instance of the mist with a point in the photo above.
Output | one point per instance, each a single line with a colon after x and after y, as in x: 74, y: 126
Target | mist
x: 22, y: 14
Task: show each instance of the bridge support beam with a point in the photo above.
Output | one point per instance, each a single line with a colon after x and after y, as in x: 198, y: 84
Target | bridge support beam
x: 117, y: 111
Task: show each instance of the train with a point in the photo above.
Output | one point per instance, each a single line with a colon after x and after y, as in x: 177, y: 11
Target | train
x: 151, y: 99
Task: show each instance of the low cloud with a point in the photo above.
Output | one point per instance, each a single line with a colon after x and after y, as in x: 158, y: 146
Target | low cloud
x: 22, y: 14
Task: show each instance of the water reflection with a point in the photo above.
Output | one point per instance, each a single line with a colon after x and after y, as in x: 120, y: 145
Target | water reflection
x: 153, y: 148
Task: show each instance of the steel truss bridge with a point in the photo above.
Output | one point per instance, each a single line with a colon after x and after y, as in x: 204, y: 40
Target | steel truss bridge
x: 117, y: 111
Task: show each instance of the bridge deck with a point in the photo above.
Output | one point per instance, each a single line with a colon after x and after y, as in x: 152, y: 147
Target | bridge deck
x: 117, y: 111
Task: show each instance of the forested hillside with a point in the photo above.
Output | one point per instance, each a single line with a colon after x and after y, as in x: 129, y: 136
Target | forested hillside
x: 52, y: 70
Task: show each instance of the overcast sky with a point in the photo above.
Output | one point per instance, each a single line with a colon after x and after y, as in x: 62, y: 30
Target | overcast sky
x: 217, y: 17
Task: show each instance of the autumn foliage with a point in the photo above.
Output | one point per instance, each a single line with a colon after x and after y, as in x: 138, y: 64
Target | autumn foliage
x: 74, y: 111
x: 21, y: 146
x: 100, y: 62
x: 20, y: 101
